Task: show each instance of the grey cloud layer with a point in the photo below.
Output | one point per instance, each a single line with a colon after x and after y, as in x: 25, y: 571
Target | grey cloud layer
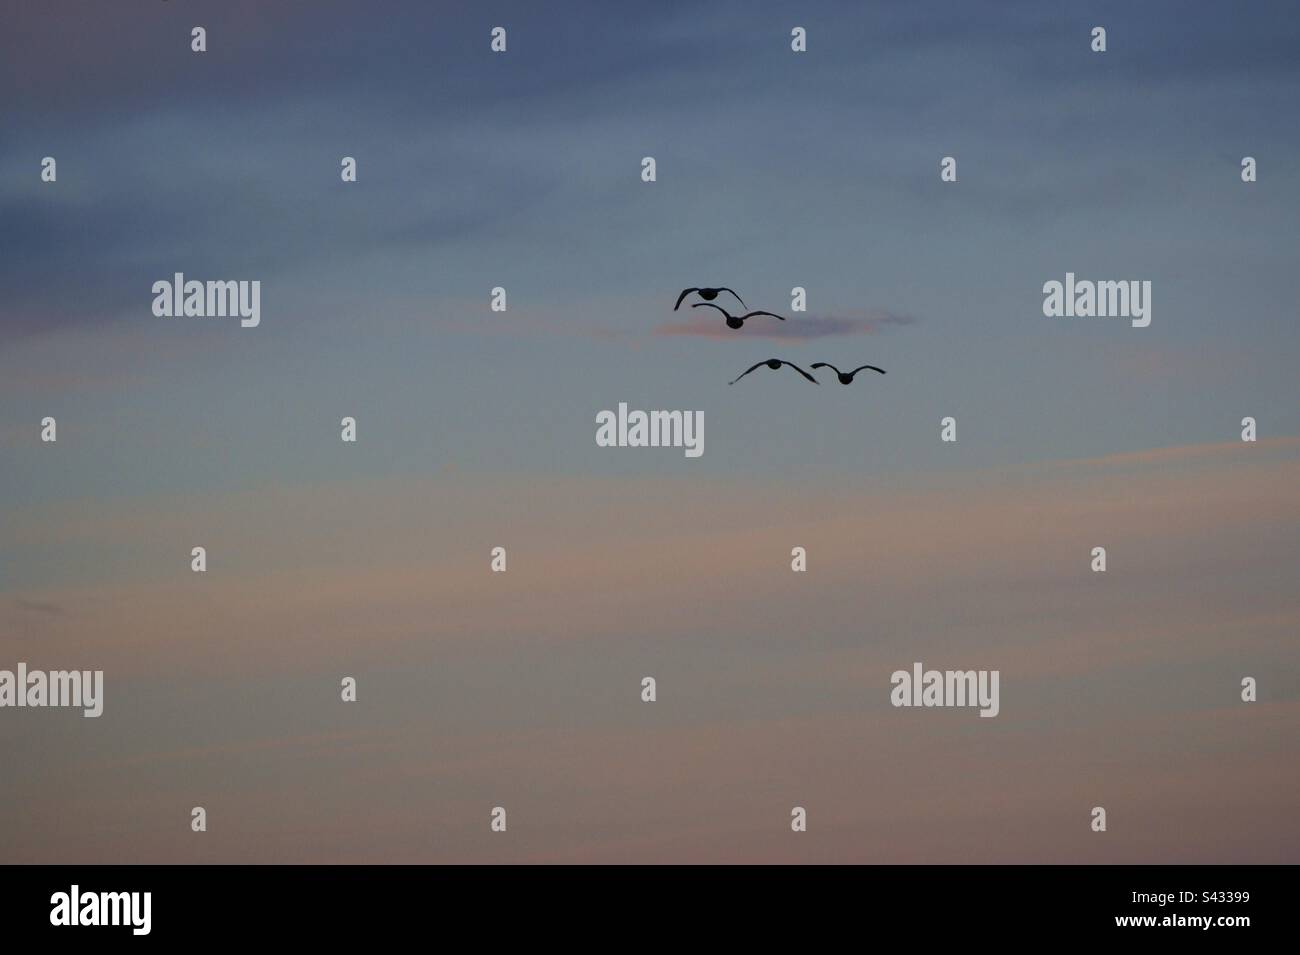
x: 227, y: 163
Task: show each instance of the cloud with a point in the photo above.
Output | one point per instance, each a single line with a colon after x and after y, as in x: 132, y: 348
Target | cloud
x: 774, y: 677
x: 796, y: 327
x: 1181, y: 454
x: 38, y: 606
x: 965, y: 536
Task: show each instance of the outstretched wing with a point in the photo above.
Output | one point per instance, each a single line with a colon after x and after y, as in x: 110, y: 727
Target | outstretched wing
x: 773, y: 314
x: 825, y: 364
x: 747, y: 371
x: 872, y: 367
x: 711, y: 305
x: 735, y: 296
x: 801, y: 371
x: 685, y: 292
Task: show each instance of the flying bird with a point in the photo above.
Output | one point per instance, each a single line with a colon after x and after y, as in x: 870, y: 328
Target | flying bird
x: 708, y: 294
x: 736, y: 321
x: 775, y: 364
x: 846, y: 377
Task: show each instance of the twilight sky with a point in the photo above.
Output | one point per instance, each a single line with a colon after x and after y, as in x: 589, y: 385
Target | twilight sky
x: 476, y: 429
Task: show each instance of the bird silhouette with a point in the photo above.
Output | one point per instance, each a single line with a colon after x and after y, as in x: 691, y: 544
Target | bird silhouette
x: 846, y: 377
x: 736, y: 321
x: 775, y: 364
x: 708, y: 294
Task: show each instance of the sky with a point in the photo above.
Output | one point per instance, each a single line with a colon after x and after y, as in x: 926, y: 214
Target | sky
x: 476, y: 429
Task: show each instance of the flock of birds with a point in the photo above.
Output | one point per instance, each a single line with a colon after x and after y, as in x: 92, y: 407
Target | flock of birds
x: 709, y: 295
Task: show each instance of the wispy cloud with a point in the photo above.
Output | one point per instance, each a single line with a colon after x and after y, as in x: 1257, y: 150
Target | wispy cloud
x: 38, y: 606
x: 795, y: 327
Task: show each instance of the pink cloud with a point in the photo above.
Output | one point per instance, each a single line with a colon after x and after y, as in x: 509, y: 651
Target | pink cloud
x: 795, y: 327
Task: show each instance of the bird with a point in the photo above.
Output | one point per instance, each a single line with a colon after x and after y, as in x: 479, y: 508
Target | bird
x: 775, y: 364
x: 736, y: 321
x: 708, y: 294
x: 846, y: 378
